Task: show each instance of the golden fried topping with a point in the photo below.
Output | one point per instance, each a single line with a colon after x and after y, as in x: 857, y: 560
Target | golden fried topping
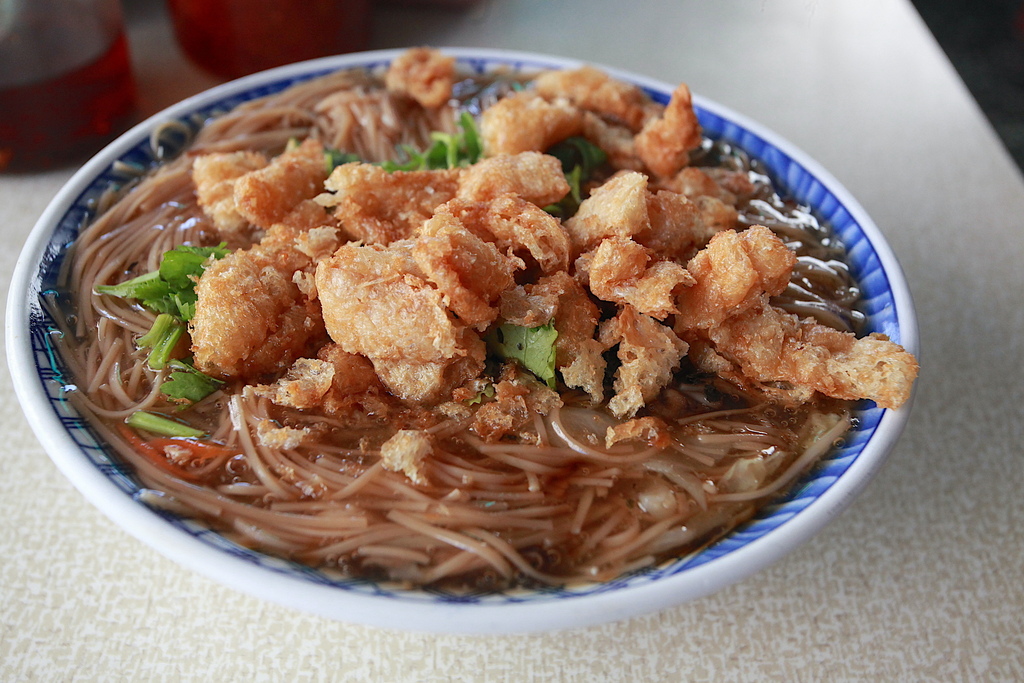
x: 593, y: 90
x: 664, y: 144
x: 423, y: 74
x: 378, y: 207
x: 214, y: 176
x: 533, y: 176
x: 624, y: 272
x: 770, y: 345
x: 649, y: 352
x: 526, y: 122
x: 731, y: 274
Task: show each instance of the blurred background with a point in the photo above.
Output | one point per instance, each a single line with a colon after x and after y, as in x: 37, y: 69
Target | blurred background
x: 984, y: 40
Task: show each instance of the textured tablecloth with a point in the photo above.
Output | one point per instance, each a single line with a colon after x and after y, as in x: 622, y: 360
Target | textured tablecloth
x: 919, y: 580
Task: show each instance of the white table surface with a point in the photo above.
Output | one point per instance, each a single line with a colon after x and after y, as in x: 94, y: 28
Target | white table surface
x: 920, y: 579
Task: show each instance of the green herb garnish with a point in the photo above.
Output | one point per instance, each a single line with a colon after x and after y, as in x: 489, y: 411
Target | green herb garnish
x: 185, y: 383
x: 449, y: 150
x: 161, y: 339
x: 335, y: 157
x: 580, y: 158
x: 171, y: 289
x: 158, y: 424
x: 532, y: 347
x: 486, y: 392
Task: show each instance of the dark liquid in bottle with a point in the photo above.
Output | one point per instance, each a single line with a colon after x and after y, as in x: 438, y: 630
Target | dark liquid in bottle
x: 233, y: 38
x: 64, y: 119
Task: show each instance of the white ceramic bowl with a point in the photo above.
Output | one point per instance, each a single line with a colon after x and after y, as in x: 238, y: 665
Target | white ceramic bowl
x: 777, y: 529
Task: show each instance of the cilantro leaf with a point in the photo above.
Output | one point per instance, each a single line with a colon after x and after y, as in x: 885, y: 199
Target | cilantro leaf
x: 187, y: 384
x: 580, y: 158
x: 161, y: 339
x: 172, y: 288
x: 449, y: 150
x: 532, y: 347
x: 335, y: 157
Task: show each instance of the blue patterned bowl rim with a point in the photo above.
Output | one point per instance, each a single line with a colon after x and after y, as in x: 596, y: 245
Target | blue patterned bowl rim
x: 775, y: 531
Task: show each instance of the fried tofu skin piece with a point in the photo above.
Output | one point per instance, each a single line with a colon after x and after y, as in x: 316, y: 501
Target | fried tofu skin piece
x: 649, y: 352
x: 624, y: 272
x: 770, y: 345
x: 470, y: 272
x: 559, y: 298
x: 665, y: 143
x: 251, y: 318
x: 526, y: 122
x: 593, y: 90
x: 376, y: 304
x: 214, y: 176
x: 266, y: 196
x: 378, y: 207
x: 423, y: 74
x: 618, y: 208
x: 513, y: 223
x: 535, y: 177
x: 731, y: 274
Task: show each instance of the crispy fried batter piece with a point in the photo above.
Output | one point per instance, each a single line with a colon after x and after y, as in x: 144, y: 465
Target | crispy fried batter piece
x: 406, y: 452
x: 676, y: 227
x: 251, y: 318
x: 271, y: 435
x: 526, y: 122
x: 558, y: 297
x: 214, y: 176
x: 652, y: 430
x: 770, y: 345
x: 622, y: 271
x: 266, y: 196
x: 340, y: 383
x: 615, y: 140
x: 667, y: 222
x: 664, y: 144
x: 517, y: 397
x: 731, y: 274
x: 725, y: 185
x: 514, y: 223
x: 649, y: 352
x: 593, y: 90
x: 303, y: 386
x: 378, y: 207
x: 504, y: 415
x: 356, y: 393
x: 423, y: 74
x: 470, y: 272
x: 377, y: 304
x: 618, y: 208
x: 533, y: 176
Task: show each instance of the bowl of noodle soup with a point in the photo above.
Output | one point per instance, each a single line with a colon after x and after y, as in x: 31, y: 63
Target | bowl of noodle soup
x: 818, y: 480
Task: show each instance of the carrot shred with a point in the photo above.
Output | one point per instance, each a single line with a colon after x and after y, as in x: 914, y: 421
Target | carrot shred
x: 153, y: 451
